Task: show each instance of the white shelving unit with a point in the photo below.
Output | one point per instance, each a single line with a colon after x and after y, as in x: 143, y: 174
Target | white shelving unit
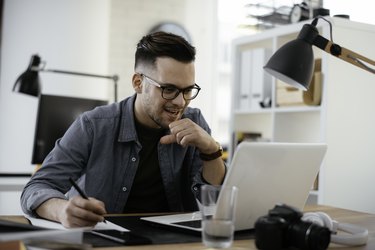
x: 342, y: 119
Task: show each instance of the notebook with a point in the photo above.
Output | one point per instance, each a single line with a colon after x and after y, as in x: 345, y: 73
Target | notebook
x: 266, y: 174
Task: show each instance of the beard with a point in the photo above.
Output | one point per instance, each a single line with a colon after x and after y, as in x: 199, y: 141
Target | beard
x: 162, y: 112
x: 166, y: 115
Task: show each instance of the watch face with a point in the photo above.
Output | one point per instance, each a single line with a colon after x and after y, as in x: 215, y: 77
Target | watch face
x: 295, y: 14
x: 173, y: 28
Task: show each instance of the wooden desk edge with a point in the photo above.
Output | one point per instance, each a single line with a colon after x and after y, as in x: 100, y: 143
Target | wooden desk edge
x: 342, y: 215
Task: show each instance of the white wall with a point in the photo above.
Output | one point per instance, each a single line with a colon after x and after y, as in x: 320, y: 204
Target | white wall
x: 130, y: 20
x: 348, y: 179
x: 359, y: 10
x: 67, y: 34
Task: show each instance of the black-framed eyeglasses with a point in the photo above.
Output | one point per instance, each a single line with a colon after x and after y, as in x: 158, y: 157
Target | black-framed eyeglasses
x: 170, y: 92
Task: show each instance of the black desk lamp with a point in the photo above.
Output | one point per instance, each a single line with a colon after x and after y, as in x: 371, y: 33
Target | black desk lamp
x: 293, y: 63
x: 28, y: 82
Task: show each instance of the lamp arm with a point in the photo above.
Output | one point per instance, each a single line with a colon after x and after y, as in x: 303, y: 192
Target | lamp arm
x: 73, y: 73
x: 358, y: 60
x: 115, y: 78
x: 344, y: 54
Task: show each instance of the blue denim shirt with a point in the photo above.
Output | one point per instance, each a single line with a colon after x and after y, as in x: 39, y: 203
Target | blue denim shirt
x: 101, y: 149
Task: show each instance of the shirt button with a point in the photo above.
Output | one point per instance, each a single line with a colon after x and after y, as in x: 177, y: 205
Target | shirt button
x: 134, y: 159
x: 124, y: 189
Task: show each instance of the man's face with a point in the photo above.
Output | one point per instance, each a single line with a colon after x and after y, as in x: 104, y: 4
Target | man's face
x: 151, y: 108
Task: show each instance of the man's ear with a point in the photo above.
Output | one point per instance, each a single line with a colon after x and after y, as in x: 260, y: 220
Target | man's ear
x: 137, y: 83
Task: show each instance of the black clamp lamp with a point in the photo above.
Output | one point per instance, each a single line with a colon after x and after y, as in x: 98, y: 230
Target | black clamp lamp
x: 293, y: 63
x: 28, y: 82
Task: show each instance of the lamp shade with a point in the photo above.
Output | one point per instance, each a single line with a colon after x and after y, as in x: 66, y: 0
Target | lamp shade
x: 293, y: 63
x: 28, y: 82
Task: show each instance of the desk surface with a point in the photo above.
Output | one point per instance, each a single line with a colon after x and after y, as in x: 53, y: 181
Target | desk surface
x: 341, y: 215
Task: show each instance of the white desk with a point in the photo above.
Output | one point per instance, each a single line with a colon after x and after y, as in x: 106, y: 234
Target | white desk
x: 10, y: 192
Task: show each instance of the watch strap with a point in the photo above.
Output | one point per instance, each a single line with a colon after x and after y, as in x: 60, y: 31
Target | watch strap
x: 212, y: 156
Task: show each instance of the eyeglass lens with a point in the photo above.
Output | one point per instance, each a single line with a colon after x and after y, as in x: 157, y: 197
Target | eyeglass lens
x: 172, y: 92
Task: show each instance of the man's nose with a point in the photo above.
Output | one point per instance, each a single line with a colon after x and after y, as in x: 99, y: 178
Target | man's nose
x: 179, y: 100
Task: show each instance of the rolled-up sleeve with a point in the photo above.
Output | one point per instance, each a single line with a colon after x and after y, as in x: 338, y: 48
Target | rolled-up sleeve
x: 67, y: 159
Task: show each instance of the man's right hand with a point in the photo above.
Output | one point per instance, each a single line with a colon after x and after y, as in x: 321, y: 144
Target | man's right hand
x: 76, y: 212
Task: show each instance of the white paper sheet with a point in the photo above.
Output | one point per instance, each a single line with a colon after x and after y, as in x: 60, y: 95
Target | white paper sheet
x: 55, y: 225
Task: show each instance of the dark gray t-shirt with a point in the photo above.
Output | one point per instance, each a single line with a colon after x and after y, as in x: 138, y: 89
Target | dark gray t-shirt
x: 147, y: 192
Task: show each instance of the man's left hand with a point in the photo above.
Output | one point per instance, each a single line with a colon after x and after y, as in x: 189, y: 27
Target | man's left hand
x: 186, y: 132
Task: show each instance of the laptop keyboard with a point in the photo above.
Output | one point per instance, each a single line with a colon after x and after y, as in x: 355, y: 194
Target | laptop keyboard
x: 192, y: 223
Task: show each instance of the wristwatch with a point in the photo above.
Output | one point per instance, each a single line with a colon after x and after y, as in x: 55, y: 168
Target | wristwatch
x: 213, y: 156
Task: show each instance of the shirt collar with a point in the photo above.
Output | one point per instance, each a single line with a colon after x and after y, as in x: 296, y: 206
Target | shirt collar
x: 127, y: 124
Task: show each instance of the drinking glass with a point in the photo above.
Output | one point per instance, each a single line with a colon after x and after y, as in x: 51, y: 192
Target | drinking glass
x: 218, y: 205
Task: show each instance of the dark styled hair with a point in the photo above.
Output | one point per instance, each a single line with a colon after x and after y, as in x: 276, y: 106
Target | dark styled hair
x: 162, y: 44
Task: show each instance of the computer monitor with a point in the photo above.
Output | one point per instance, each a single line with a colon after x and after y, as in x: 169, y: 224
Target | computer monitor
x: 55, y: 115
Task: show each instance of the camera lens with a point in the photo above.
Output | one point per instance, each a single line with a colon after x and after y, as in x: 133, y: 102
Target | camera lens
x: 309, y: 236
x: 269, y: 233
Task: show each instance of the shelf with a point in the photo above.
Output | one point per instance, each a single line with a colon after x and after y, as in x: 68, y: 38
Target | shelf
x: 297, y: 109
x: 344, y: 90
x: 291, y: 109
x: 250, y: 112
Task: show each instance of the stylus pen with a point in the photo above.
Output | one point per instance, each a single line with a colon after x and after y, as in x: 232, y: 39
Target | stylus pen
x: 80, y: 191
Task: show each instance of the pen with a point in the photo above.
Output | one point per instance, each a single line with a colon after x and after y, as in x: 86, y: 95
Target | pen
x: 80, y: 191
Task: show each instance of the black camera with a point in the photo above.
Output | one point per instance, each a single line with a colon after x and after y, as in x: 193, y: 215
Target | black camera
x: 283, y: 228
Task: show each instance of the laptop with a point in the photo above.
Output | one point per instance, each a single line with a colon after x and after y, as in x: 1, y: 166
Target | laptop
x: 266, y: 174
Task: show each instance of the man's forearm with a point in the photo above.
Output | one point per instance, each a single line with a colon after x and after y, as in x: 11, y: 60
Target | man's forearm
x: 214, y: 171
x: 51, y: 209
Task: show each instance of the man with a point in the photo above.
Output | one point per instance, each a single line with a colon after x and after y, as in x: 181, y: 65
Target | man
x: 148, y: 153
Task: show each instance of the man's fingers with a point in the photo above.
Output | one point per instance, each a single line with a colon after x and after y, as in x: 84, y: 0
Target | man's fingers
x: 82, y: 212
x: 184, y: 132
x: 168, y: 139
x: 91, y: 204
x: 78, y: 222
x: 86, y: 217
x: 98, y: 206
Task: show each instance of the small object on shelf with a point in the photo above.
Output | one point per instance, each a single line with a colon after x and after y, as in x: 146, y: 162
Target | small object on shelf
x: 287, y: 95
x: 315, y: 186
x: 313, y: 95
x: 266, y: 103
x: 269, y: 16
x: 250, y: 136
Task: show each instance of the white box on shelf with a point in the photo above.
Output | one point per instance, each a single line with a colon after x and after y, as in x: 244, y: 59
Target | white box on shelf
x: 255, y: 85
x: 261, y: 81
x: 245, y: 84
